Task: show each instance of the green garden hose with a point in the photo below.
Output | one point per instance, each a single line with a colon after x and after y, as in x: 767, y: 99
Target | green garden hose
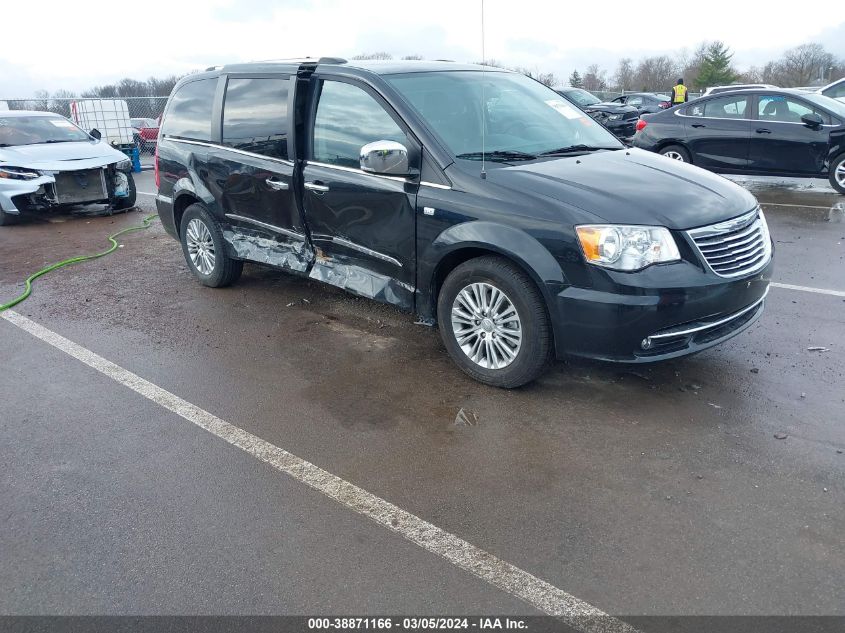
x: 73, y: 260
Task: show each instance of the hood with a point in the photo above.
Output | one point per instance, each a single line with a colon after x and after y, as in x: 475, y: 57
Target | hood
x: 631, y: 187
x: 61, y: 156
x: 612, y: 108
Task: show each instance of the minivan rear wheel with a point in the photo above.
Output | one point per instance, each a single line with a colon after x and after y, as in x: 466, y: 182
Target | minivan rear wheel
x: 837, y: 174
x: 493, y: 322
x: 676, y: 152
x: 205, y: 249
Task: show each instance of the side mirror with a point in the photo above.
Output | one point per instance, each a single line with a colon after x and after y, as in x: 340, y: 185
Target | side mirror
x: 386, y: 158
x: 96, y: 134
x: 812, y: 119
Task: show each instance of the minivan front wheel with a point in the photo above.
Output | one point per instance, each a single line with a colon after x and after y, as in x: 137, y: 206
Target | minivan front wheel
x: 676, y: 152
x: 837, y: 174
x: 205, y: 250
x: 493, y: 322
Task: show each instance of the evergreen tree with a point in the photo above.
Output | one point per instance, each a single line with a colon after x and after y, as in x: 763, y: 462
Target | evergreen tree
x: 575, y: 79
x: 716, y: 68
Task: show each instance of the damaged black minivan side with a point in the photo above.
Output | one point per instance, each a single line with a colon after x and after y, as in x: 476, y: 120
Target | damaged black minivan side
x: 474, y: 197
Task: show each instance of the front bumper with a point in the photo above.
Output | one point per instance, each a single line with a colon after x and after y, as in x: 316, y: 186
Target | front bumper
x: 623, y: 129
x: 646, y: 323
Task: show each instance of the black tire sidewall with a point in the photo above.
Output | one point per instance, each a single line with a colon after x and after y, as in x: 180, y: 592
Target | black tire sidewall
x: 839, y: 160
x: 536, y: 337
x: 677, y: 148
x: 218, y: 275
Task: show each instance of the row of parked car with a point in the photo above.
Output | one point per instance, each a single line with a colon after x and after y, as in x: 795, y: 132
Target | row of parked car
x: 742, y: 129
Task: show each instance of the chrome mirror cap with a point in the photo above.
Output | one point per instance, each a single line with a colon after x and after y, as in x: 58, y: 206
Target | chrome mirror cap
x: 385, y: 157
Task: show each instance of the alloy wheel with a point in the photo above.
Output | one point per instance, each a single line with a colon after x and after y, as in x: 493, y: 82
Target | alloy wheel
x: 200, y: 246
x: 840, y: 174
x: 674, y: 156
x: 486, y: 326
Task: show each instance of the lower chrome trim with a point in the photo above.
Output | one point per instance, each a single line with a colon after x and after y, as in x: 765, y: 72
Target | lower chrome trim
x: 269, y: 227
x: 709, y: 326
x: 367, y: 251
x: 435, y: 185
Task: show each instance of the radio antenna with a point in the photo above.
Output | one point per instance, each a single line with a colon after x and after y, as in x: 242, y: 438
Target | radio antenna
x: 483, y: 98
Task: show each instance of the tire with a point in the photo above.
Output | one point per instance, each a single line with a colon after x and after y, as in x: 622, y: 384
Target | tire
x: 529, y: 357
x: 205, y: 238
x: 676, y: 152
x: 7, y: 219
x: 837, y: 173
x: 129, y: 201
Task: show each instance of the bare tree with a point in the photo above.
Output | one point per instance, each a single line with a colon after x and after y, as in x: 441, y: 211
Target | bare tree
x: 547, y: 79
x: 378, y: 55
x: 655, y: 73
x: 595, y: 78
x: 803, y: 65
x: 413, y: 57
x: 624, y: 76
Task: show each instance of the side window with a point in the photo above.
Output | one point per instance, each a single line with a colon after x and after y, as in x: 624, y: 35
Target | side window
x: 189, y: 114
x: 837, y: 91
x: 779, y: 108
x: 634, y: 101
x: 725, y: 108
x: 255, y: 116
x: 347, y: 119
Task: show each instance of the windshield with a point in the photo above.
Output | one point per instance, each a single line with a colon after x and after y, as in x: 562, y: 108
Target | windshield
x: 522, y: 115
x: 143, y: 123
x: 31, y: 130
x: 837, y: 107
x: 581, y: 97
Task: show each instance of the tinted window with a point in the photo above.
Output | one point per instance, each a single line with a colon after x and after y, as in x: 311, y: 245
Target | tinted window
x: 189, y: 114
x: 255, y: 116
x: 778, y: 108
x: 347, y: 119
x: 836, y: 92
x: 635, y: 101
x: 26, y: 130
x: 722, y: 108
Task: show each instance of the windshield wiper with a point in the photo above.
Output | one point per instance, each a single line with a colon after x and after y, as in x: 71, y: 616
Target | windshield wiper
x: 571, y: 149
x: 498, y: 155
x: 54, y: 140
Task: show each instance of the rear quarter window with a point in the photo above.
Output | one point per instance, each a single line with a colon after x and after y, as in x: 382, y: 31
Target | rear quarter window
x: 189, y: 113
x: 255, y: 115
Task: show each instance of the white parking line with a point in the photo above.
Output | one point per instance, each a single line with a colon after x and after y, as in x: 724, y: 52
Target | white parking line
x: 147, y: 193
x: 820, y: 291
x: 536, y: 592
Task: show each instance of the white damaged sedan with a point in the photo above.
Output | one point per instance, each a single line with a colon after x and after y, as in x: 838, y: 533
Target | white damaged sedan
x: 47, y: 162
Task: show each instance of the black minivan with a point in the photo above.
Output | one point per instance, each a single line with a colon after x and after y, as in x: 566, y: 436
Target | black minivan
x: 475, y: 197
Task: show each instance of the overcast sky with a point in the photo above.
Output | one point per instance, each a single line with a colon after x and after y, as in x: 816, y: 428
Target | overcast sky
x: 75, y: 45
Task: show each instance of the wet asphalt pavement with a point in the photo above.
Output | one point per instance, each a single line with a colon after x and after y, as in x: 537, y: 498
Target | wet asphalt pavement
x: 641, y: 490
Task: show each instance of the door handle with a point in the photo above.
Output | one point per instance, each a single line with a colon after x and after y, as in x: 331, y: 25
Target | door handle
x: 314, y: 186
x: 278, y: 185
x: 762, y: 130
x: 698, y: 125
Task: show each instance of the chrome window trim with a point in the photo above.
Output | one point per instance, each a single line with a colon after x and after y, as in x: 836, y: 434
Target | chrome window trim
x: 714, y: 118
x: 435, y: 185
x: 269, y: 227
x: 713, y: 325
x: 283, y: 161
x: 356, y: 171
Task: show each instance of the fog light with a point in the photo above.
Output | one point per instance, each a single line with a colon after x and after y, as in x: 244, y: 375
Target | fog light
x: 646, y: 344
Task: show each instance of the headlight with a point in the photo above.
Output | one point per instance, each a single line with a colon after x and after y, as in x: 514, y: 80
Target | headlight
x: 613, y: 117
x: 18, y: 173
x: 627, y: 247
x: 124, y: 165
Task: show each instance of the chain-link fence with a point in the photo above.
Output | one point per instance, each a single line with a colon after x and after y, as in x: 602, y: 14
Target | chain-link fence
x: 144, y: 112
x: 610, y: 95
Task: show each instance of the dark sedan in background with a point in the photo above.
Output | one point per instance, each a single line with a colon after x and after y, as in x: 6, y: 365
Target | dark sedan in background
x: 619, y: 118
x: 645, y: 102
x: 773, y: 132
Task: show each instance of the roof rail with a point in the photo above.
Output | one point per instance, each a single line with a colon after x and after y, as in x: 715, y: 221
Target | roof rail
x: 331, y: 60
x: 213, y: 68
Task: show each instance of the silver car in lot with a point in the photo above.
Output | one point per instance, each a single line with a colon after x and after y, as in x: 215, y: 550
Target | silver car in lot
x: 47, y: 162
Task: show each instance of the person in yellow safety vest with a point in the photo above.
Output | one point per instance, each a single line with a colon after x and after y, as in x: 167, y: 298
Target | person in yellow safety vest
x: 679, y: 93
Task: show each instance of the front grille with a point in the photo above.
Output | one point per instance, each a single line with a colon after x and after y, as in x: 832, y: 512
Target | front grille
x: 85, y: 185
x: 631, y: 115
x: 737, y: 247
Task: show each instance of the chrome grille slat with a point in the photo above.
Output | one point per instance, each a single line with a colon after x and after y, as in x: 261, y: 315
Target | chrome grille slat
x: 736, y: 247
x: 709, y: 251
x: 757, y: 244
